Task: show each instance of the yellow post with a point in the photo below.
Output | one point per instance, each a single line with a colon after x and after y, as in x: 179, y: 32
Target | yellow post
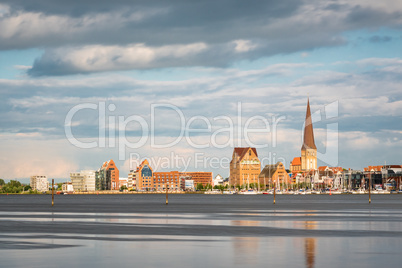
x: 370, y: 189
x: 52, y: 192
x: 167, y: 195
x: 274, y: 193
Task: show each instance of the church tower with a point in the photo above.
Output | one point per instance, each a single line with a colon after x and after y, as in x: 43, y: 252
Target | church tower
x: 308, y: 150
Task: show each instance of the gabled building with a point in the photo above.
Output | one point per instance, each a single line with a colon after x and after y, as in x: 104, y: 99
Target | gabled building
x: 144, y: 177
x: 244, y: 167
x: 107, y: 177
x: 275, y: 173
x: 217, y: 181
x: 295, y: 165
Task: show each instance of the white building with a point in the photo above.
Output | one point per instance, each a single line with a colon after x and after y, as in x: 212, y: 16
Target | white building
x: 67, y: 187
x: 84, y: 180
x: 189, y: 185
x: 39, y: 183
x: 217, y: 181
x: 131, y: 180
x: 123, y: 182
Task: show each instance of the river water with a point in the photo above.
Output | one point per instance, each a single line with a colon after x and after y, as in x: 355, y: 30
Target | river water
x: 200, y: 230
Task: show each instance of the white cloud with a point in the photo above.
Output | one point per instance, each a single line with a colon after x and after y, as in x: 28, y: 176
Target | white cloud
x: 244, y: 45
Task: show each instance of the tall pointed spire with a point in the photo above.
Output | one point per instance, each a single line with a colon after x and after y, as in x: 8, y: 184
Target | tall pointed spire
x: 308, y: 138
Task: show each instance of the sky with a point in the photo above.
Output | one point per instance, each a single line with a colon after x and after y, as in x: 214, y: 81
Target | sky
x: 181, y: 83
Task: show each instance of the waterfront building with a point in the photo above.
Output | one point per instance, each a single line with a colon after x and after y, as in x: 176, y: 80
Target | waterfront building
x: 107, y: 177
x: 171, y: 179
x: 274, y: 174
x: 39, y: 183
x: 189, y: 185
x: 245, y: 166
x: 67, y: 187
x: 144, y: 177
x: 218, y: 180
x: 308, y: 150
x: 205, y: 178
x: 123, y: 182
x: 295, y: 165
x: 131, y: 180
x: 83, y: 181
x: 386, y: 176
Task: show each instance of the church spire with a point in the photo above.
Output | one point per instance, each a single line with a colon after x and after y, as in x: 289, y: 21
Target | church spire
x: 308, y: 138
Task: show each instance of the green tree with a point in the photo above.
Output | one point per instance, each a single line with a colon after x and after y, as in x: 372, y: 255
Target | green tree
x: 27, y: 187
x: 123, y: 187
x: 2, y: 182
x: 199, y: 187
x: 14, y: 183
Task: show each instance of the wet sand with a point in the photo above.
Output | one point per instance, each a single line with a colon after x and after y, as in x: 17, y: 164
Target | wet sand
x: 313, y: 229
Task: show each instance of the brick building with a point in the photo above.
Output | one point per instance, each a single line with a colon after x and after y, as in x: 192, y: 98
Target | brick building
x: 107, y: 177
x: 244, y: 167
x: 275, y: 173
x: 204, y: 178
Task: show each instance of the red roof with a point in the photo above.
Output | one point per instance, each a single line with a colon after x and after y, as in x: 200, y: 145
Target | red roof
x: 241, y: 151
x: 323, y: 168
x: 296, y: 161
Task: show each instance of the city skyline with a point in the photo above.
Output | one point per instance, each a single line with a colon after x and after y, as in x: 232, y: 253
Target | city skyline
x: 264, y: 58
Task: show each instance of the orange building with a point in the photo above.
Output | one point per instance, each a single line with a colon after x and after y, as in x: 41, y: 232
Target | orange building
x: 144, y: 176
x: 199, y: 177
x: 295, y: 165
x: 275, y: 173
x: 172, y: 179
x: 244, y: 167
x: 107, y: 177
x: 373, y: 168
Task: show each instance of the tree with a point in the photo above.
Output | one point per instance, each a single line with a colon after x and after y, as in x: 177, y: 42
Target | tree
x: 14, y: 183
x: 123, y: 187
x: 2, y: 182
x: 27, y: 187
x: 199, y: 187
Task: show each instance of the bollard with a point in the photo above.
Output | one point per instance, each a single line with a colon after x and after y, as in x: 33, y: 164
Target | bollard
x: 52, y: 192
x: 167, y: 195
x: 274, y: 194
x: 370, y: 189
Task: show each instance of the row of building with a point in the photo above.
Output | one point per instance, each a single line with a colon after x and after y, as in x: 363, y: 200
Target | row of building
x: 245, y: 169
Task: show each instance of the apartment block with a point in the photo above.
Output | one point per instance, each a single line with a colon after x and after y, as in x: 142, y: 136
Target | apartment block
x: 83, y: 181
x: 39, y: 183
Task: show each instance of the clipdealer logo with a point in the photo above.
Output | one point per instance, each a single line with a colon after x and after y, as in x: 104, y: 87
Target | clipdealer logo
x: 113, y: 132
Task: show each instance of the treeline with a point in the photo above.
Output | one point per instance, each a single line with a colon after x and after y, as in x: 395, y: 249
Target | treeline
x: 14, y: 187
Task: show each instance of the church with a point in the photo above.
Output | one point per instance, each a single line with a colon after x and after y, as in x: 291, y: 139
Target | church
x: 308, y: 159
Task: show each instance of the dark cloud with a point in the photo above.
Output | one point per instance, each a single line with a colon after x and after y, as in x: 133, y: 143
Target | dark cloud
x: 184, y: 11
x: 272, y: 27
x: 380, y: 39
x: 367, y: 17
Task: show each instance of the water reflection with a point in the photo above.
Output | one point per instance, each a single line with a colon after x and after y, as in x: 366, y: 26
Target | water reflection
x: 246, y: 249
x: 309, y: 245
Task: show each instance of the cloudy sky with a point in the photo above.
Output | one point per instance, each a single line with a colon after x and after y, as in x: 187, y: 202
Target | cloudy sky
x: 126, y: 78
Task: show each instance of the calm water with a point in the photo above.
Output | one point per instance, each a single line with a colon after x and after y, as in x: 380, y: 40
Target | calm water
x: 200, y: 230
